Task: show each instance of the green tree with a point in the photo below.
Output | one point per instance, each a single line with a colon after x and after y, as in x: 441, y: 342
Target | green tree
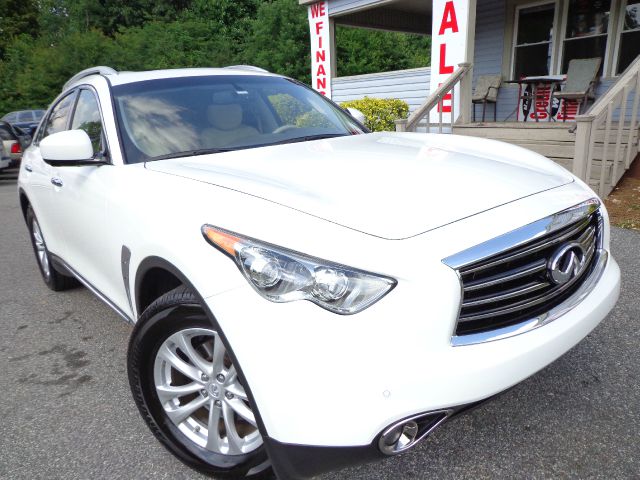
x: 279, y: 40
x: 361, y: 51
x: 17, y: 17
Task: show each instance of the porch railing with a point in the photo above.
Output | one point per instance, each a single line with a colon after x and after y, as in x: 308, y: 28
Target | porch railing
x: 415, y: 120
x: 607, y: 136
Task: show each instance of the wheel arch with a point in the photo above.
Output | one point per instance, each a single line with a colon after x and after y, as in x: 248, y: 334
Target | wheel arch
x: 24, y: 202
x: 154, y: 277
x: 145, y: 271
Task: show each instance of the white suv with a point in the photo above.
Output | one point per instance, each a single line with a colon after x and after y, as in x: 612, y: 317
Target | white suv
x: 306, y: 295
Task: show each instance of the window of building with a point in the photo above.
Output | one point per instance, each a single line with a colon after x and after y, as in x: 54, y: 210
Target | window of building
x: 587, y: 31
x: 630, y: 37
x: 533, y: 49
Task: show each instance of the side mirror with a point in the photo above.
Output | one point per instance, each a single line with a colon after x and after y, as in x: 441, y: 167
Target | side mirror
x: 68, y: 148
x: 357, y: 114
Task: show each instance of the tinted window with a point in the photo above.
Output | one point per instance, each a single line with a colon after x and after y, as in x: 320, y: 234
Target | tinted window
x: 25, y: 116
x: 57, y: 120
x: 87, y: 118
x: 10, y: 117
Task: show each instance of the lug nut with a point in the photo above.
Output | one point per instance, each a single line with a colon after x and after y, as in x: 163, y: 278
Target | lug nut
x: 229, y: 395
x: 218, y: 403
x: 220, y: 378
x: 197, y: 428
x: 204, y: 377
x: 203, y: 393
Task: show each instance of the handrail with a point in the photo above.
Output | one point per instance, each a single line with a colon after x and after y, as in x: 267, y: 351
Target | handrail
x: 434, y: 99
x: 591, y: 137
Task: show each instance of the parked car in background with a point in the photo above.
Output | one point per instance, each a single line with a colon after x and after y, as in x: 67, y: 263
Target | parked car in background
x: 5, y: 159
x: 14, y: 141
x: 27, y: 120
x: 306, y: 295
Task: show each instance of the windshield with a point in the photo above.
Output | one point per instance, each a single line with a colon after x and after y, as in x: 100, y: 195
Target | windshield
x: 176, y: 117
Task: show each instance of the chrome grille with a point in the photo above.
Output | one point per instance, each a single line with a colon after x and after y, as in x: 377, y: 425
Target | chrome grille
x: 509, y: 281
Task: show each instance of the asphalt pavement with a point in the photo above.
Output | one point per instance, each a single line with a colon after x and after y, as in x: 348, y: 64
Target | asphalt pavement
x: 66, y: 411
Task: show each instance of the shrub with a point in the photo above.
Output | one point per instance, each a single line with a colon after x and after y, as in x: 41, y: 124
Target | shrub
x: 380, y: 113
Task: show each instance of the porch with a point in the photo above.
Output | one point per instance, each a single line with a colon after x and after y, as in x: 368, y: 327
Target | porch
x: 512, y: 38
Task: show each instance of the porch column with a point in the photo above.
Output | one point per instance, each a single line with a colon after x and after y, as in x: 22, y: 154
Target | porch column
x: 322, y: 33
x: 452, y: 38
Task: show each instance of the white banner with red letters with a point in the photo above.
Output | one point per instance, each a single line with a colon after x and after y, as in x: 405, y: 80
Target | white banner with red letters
x: 448, y: 49
x: 320, y: 47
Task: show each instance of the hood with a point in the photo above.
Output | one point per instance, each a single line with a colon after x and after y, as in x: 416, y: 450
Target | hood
x: 390, y: 185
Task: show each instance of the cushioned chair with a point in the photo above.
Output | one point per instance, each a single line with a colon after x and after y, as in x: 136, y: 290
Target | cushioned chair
x: 581, y: 81
x: 486, y: 91
x: 226, y: 126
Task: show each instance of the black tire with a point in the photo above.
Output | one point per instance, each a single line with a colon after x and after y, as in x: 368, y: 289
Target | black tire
x: 52, y: 278
x: 179, y: 311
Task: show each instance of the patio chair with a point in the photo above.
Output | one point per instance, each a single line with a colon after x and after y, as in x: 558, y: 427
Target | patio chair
x: 580, y: 85
x: 486, y: 91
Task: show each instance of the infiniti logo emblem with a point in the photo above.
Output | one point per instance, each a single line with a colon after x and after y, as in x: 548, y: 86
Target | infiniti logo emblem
x: 567, y: 263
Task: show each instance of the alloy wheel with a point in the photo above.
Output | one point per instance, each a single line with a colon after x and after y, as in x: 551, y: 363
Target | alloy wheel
x: 200, y: 392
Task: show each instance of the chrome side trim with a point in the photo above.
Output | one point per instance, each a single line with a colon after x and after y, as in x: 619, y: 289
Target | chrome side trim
x: 94, y: 290
x: 540, y: 320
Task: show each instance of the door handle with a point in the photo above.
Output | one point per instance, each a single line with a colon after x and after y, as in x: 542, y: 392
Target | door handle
x: 56, y: 182
x: 28, y: 168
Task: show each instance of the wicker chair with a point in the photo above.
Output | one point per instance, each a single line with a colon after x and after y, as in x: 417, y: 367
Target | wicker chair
x: 581, y: 81
x: 486, y: 91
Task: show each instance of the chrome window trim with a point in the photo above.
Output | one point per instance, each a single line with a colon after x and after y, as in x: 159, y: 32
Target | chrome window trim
x: 515, y: 239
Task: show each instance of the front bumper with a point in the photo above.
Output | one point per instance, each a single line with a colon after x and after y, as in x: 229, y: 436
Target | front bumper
x: 326, y: 385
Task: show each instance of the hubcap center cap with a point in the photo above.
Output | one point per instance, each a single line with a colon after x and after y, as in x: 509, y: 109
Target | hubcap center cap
x: 214, y: 390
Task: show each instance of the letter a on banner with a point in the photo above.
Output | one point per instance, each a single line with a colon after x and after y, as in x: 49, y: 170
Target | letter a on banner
x: 320, y: 47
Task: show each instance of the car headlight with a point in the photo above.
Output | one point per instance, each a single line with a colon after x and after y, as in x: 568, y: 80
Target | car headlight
x: 280, y: 275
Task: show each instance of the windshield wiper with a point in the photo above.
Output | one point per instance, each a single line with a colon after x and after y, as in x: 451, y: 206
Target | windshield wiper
x: 306, y: 138
x: 191, y: 153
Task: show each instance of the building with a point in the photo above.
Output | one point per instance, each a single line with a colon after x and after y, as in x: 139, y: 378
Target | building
x: 513, y: 39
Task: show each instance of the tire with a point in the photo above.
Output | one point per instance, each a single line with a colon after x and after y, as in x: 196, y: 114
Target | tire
x: 174, y: 344
x: 52, y: 278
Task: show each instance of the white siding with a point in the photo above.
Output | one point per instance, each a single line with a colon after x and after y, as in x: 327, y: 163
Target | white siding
x: 412, y: 86
x: 337, y: 7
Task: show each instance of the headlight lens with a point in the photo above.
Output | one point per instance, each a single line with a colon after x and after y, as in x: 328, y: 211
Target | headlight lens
x: 280, y: 275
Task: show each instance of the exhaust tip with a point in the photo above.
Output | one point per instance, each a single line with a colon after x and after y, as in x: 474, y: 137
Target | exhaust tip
x: 405, y: 434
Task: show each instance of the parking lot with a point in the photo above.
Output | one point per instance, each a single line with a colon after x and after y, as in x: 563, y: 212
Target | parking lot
x: 67, y: 412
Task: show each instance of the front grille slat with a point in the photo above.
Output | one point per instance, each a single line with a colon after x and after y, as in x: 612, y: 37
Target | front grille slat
x: 518, y: 292
x: 533, y: 249
x: 515, y: 285
x: 506, y: 277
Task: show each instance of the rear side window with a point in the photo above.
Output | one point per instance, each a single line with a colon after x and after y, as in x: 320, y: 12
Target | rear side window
x: 10, y: 117
x: 25, y: 116
x: 87, y: 118
x: 57, y: 121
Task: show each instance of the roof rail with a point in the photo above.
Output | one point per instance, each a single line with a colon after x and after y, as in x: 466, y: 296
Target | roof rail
x: 90, y: 71
x: 251, y: 68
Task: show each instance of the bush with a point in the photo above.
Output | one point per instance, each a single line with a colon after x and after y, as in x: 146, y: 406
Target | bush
x: 380, y: 113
